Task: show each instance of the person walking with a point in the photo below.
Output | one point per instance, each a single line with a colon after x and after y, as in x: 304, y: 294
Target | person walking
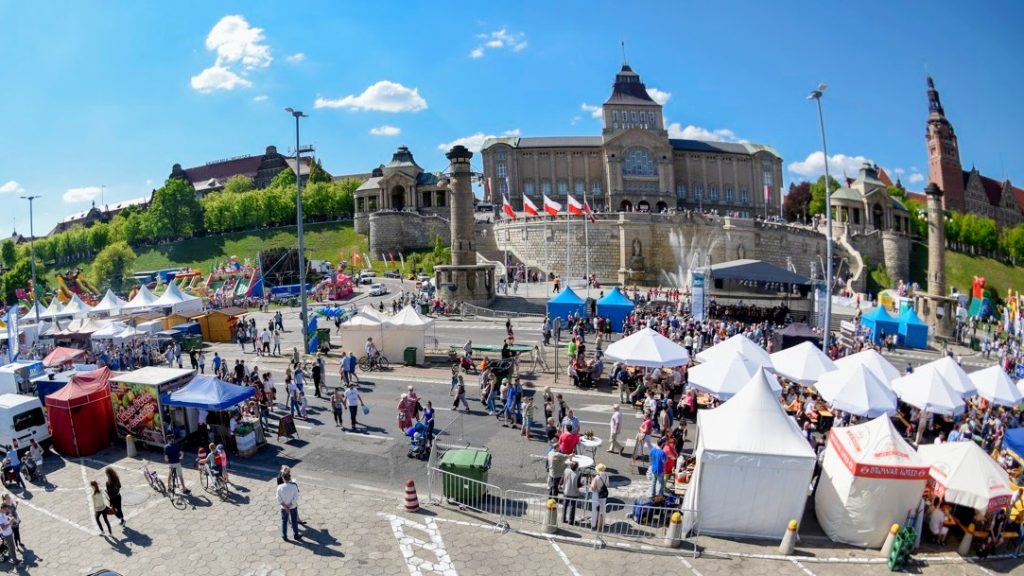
x: 338, y: 406
x: 15, y: 462
x: 317, y: 375
x: 342, y: 374
x: 7, y: 533
x: 113, y: 489
x: 571, y: 480
x: 12, y: 511
x: 202, y: 362
x: 460, y: 395
x: 288, y: 500
x: 277, y: 343
x: 599, y: 497
x: 100, y: 508
x: 615, y: 427
x: 353, y: 400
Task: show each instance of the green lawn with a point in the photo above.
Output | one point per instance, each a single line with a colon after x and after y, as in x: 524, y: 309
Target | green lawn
x: 962, y: 268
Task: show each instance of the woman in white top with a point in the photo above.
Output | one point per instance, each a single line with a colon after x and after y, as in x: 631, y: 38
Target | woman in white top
x: 599, y: 497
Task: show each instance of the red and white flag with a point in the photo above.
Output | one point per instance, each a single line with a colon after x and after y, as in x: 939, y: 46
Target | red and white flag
x: 575, y: 208
x: 551, y: 207
x: 487, y: 189
x: 586, y: 210
x: 529, y: 207
x: 508, y: 208
x: 767, y: 193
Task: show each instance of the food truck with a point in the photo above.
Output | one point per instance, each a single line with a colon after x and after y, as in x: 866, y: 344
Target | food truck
x: 16, y: 377
x: 137, y: 407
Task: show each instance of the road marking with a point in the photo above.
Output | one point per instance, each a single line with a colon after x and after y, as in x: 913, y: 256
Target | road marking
x: 440, y: 563
x: 801, y: 567
x: 367, y: 435
x: 982, y: 568
x: 378, y: 490
x: 46, y: 512
x: 565, y: 559
x: 690, y: 566
x: 88, y: 493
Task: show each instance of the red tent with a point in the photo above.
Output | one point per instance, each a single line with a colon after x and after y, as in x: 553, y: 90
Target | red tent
x: 82, y: 415
x: 61, y: 356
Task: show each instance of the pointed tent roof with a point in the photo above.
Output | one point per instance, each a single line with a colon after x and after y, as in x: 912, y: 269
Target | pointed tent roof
x: 723, y: 381
x: 962, y: 473
x: 803, y: 363
x: 996, y: 386
x: 83, y: 326
x: 753, y: 422
x: 172, y: 295
x: 30, y: 313
x: 61, y: 356
x: 367, y: 316
x: 615, y: 298
x: 738, y: 344
x: 929, y: 391
x: 54, y: 309
x: 76, y: 306
x: 873, y: 361
x: 209, y: 393
x: 908, y: 316
x: 110, y: 331
x: 877, y: 443
x: 109, y: 303
x: 143, y: 299
x: 954, y: 375
x: 566, y: 296
x: 647, y: 349
x: 879, y: 313
x: 856, y: 389
x: 408, y: 316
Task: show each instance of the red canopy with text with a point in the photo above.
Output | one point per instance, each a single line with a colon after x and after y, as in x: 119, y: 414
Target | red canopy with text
x: 81, y: 414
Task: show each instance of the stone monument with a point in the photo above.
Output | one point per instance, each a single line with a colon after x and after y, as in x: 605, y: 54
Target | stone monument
x: 934, y: 307
x: 464, y: 281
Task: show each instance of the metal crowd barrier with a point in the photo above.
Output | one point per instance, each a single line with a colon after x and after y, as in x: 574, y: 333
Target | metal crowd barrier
x: 468, y: 494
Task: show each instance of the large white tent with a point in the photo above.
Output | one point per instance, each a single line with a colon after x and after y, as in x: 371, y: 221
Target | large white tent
x: 996, y: 386
x: 929, y: 391
x: 803, y: 363
x: 142, y: 301
x: 739, y: 343
x: 367, y: 323
x: 75, y: 307
x: 753, y: 466
x: 55, y: 310
x: 407, y: 329
x: 178, y: 301
x: 724, y: 379
x: 953, y: 374
x: 109, y: 332
x: 962, y: 473
x: 37, y: 310
x: 870, y: 478
x: 110, y: 305
x: 647, y: 349
x: 856, y: 389
x: 873, y: 361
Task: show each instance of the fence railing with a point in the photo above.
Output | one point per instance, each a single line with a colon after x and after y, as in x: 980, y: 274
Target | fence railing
x: 481, y: 312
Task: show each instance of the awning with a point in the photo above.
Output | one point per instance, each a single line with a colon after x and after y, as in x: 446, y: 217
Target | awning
x: 756, y: 271
x: 209, y: 393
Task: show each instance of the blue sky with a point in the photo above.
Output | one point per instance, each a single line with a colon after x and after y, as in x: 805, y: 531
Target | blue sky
x: 107, y: 96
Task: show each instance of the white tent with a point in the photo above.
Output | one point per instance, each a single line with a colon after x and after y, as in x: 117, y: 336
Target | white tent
x: 870, y: 478
x: 178, y: 301
x: 729, y: 348
x: 31, y: 313
x: 753, y: 466
x: 873, y: 361
x: 929, y: 391
x: 368, y: 323
x: 83, y: 326
x: 110, y: 305
x: 150, y: 327
x: 109, y: 332
x: 647, y: 349
x: 856, y: 389
x: 962, y: 473
x: 128, y: 333
x: 954, y: 375
x: 142, y: 301
x: 75, y: 307
x: 803, y: 363
x: 407, y: 329
x: 724, y: 380
x: 995, y: 385
x: 55, y: 310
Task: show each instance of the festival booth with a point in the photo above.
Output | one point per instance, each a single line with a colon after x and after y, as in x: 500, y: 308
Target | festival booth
x: 738, y: 344
x: 725, y: 380
x: 16, y: 377
x: 407, y: 329
x: 108, y: 332
x: 795, y: 333
x: 913, y: 333
x: 55, y: 310
x: 136, y: 397
x: 76, y: 308
x: 110, y: 305
x: 616, y: 307
x: 219, y: 399
x: 37, y: 310
x: 50, y: 382
x: 878, y: 321
x: 62, y: 357
x: 174, y: 301
x: 962, y: 473
x: 565, y: 304
x: 219, y: 325
x: 753, y: 466
x: 870, y: 478
x: 368, y: 323
x: 79, y: 332
x: 647, y: 349
x: 803, y: 364
x: 141, y: 302
x: 81, y: 415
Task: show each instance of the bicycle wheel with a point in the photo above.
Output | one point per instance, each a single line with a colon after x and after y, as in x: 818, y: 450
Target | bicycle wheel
x: 204, y: 479
x: 178, y: 500
x: 382, y: 363
x: 364, y: 364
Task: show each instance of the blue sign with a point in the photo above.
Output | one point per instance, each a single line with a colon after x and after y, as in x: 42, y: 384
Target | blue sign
x: 697, y: 296
x: 1019, y: 372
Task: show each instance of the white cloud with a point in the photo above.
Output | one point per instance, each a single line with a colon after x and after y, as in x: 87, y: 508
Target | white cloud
x: 296, y: 58
x: 474, y: 141
x: 594, y: 110
x: 260, y: 98
x: 691, y: 132
x: 235, y: 40
x: 385, y: 130
x: 11, y: 187
x: 659, y: 96
x: 83, y: 194
x: 814, y: 165
x: 916, y: 178
x: 384, y: 96
x: 218, y: 78
x: 501, y: 38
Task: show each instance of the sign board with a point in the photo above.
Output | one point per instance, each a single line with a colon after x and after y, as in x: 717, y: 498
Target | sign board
x: 286, y: 427
x: 820, y: 303
x: 13, y: 338
x: 697, y: 289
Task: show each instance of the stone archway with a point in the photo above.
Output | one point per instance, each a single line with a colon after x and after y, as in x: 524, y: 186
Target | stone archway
x: 643, y: 206
x: 398, y: 198
x: 877, y: 215
x: 626, y: 206
x: 661, y: 207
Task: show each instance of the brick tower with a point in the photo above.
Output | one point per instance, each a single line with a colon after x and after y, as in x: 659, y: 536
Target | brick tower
x: 936, y: 309
x: 944, y: 167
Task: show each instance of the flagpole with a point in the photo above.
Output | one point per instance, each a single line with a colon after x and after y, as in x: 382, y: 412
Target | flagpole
x: 568, y: 222
x: 586, y: 237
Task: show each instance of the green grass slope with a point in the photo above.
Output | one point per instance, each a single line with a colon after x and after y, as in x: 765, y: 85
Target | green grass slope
x: 962, y: 268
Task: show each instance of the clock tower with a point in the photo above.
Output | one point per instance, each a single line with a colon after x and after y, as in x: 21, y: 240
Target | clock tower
x: 944, y: 167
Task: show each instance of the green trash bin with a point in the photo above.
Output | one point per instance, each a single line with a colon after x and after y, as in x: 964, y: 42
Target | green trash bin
x: 462, y: 467
x: 410, y: 356
x: 324, y: 335
x: 424, y: 308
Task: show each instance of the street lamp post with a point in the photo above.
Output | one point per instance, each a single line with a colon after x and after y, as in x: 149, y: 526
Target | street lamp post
x: 302, y: 243
x: 32, y: 254
x: 825, y: 341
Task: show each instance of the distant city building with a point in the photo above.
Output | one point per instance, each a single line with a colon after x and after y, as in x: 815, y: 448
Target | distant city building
x: 634, y: 165
x: 103, y: 213
x: 261, y: 169
x: 965, y: 191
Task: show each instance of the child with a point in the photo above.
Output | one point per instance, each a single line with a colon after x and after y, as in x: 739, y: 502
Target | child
x: 302, y: 405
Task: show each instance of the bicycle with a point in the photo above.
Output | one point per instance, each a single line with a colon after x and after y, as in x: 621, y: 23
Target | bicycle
x: 219, y: 486
x: 177, y: 498
x: 154, y: 479
x: 378, y: 363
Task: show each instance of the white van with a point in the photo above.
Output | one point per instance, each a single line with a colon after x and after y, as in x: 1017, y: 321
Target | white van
x: 22, y: 418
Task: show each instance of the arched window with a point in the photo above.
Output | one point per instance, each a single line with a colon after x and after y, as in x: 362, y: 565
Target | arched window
x: 639, y: 162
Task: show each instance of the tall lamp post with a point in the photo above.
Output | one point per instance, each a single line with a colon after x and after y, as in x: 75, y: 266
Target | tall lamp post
x: 32, y: 254
x: 302, y: 242
x: 816, y: 96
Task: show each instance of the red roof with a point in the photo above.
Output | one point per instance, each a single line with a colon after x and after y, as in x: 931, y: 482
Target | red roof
x: 245, y: 166
x: 883, y: 177
x: 993, y: 189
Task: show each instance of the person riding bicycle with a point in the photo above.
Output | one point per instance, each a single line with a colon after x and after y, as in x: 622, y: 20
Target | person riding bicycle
x: 372, y: 353
x: 173, y: 455
x: 212, y: 466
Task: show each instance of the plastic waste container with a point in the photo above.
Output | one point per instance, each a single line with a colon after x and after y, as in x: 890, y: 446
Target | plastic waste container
x: 466, y: 474
x: 409, y: 356
x: 324, y: 334
x: 424, y: 308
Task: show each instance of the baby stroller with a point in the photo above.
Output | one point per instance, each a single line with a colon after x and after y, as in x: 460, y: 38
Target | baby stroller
x: 34, y: 471
x: 9, y: 476
x: 418, y: 446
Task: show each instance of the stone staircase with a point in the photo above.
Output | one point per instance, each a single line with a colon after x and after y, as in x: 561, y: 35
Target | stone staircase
x: 857, y: 270
x: 487, y: 250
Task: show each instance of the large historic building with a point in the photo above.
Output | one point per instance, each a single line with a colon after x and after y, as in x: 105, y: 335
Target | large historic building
x: 101, y: 213
x: 634, y: 165
x: 260, y: 168
x: 966, y: 191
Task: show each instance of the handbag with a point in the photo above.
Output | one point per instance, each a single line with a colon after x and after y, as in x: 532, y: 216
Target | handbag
x: 366, y: 409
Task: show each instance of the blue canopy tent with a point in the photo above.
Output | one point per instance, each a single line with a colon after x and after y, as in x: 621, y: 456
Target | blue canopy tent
x: 615, y: 306
x: 877, y: 321
x: 913, y: 332
x: 565, y: 304
x: 209, y: 393
x: 1013, y: 441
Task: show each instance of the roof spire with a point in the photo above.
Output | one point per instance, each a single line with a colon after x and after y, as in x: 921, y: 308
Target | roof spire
x: 624, y: 61
x: 934, y: 103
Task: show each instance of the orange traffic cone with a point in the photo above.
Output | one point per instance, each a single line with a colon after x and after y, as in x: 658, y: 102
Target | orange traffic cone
x: 412, y: 503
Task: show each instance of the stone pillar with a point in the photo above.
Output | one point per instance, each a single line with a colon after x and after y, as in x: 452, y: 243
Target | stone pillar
x: 936, y: 241
x: 462, y: 223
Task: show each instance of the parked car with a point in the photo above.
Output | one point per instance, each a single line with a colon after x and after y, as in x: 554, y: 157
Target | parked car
x: 392, y: 274
x: 366, y: 279
x: 378, y: 290
x: 423, y: 277
x: 367, y: 272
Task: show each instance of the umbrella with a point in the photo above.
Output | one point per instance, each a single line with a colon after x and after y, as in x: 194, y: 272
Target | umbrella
x: 962, y: 473
x: 928, y: 390
x: 995, y: 385
x: 724, y: 381
x: 856, y: 389
x: 803, y: 363
x: 873, y: 361
x: 954, y: 375
x: 723, y: 351
x: 648, y: 349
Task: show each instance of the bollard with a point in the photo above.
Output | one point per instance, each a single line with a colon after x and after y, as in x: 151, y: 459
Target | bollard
x: 789, y: 540
x: 890, y: 539
x: 412, y: 503
x: 965, y: 544
x: 674, y: 535
x: 129, y: 441
x: 551, y: 517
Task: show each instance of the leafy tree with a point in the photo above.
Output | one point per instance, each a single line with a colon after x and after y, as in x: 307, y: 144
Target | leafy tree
x: 239, y: 184
x: 284, y: 179
x: 112, y: 265
x: 174, y: 211
x: 817, y: 205
x: 346, y: 196
x: 954, y: 225
x: 17, y: 278
x: 99, y: 236
x: 798, y: 199
x: 317, y: 175
x: 918, y: 223
x: 898, y: 193
x: 1012, y: 243
x: 8, y: 253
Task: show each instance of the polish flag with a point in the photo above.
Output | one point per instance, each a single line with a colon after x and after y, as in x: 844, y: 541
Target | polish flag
x: 575, y: 208
x: 551, y: 207
x: 508, y: 208
x: 487, y: 189
x: 767, y: 194
x: 586, y: 210
x: 529, y: 207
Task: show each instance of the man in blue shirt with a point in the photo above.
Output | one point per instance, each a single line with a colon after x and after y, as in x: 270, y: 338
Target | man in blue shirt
x: 172, y: 454
x: 15, y: 461
x: 658, y: 469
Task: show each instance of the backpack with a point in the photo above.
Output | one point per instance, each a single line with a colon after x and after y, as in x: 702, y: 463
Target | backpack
x: 602, y: 492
